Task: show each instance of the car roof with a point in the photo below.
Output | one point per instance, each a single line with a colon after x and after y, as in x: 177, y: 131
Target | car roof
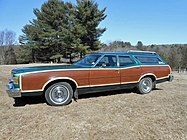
x: 131, y: 52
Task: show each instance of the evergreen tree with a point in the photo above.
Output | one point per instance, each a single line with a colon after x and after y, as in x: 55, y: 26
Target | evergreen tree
x: 10, y: 56
x: 29, y: 49
x: 62, y: 30
x: 139, y: 45
x: 88, y: 18
x: 45, y: 36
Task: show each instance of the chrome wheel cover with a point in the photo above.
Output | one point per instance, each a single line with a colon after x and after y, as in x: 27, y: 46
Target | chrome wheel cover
x: 59, y: 94
x: 146, y: 85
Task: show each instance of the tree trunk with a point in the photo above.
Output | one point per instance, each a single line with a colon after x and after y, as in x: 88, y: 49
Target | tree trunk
x: 33, y: 57
x: 70, y: 58
x: 81, y: 54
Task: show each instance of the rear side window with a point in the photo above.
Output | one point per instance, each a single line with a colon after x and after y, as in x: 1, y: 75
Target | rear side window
x: 149, y: 60
x: 125, y: 61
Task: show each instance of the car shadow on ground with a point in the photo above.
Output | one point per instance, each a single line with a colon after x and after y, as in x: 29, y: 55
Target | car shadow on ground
x: 28, y: 101
x: 106, y: 93
x: 110, y: 93
x: 157, y: 89
x: 41, y: 100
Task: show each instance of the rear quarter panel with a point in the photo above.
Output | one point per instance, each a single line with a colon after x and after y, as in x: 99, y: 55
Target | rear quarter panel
x: 160, y: 71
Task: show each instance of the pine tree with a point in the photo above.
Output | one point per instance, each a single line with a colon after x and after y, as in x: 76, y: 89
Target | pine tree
x: 10, y: 56
x: 45, y: 35
x: 88, y: 18
x: 139, y: 45
x: 62, y: 30
x: 29, y: 49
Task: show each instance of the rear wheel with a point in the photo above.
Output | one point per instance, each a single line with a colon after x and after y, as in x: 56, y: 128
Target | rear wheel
x: 145, y: 85
x: 59, y: 94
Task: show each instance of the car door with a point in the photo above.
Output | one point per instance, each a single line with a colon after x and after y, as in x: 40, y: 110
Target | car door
x: 106, y: 74
x: 130, y: 71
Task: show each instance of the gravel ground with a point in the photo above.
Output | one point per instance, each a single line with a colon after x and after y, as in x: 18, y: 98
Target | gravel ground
x: 119, y: 115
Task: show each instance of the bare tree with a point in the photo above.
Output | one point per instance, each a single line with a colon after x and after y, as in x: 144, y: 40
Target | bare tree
x: 10, y: 38
x: 2, y: 34
x: 2, y: 48
x: 7, y: 39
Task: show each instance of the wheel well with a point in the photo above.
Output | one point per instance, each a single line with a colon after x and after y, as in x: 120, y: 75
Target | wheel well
x: 150, y: 76
x: 73, y: 85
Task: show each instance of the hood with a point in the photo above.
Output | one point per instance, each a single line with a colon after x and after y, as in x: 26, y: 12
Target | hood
x: 42, y: 68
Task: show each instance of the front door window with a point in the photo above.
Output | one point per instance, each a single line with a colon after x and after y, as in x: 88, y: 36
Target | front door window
x: 108, y: 61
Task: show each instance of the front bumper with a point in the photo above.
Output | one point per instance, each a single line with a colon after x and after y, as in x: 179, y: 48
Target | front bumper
x: 171, y: 77
x: 13, y: 92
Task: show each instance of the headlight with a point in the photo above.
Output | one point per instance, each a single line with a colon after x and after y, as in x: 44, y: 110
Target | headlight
x: 16, y: 80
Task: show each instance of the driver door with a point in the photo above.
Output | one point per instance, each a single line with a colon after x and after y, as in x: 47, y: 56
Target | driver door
x: 106, y: 74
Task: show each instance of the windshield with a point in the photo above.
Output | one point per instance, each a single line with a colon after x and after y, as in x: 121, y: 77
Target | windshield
x: 89, y: 60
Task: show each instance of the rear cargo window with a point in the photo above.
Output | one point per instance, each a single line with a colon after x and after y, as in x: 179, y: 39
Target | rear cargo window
x: 149, y: 60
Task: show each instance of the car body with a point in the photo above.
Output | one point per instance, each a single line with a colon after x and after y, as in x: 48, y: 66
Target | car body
x: 97, y: 72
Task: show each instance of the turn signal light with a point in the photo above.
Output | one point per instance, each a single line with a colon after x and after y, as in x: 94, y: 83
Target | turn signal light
x: 15, y: 79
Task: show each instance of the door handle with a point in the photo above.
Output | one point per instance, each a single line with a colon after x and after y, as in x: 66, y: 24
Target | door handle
x: 117, y: 70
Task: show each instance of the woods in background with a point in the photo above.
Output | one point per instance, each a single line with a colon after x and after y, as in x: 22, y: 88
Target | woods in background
x: 175, y: 55
x: 63, y: 32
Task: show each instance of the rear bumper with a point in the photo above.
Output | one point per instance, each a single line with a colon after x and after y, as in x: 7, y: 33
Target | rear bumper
x: 171, y: 77
x: 13, y: 92
x: 168, y: 79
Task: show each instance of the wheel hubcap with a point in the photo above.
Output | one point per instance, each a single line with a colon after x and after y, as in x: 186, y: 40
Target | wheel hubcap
x: 146, y: 85
x: 59, y: 94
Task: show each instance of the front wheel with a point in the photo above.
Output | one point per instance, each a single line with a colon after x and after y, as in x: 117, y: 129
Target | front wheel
x: 145, y: 85
x: 59, y: 94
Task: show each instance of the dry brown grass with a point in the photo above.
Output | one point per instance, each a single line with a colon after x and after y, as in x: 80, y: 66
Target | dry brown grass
x: 162, y: 114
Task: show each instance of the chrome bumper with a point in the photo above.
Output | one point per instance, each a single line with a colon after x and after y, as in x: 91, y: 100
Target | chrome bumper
x: 171, y: 77
x: 13, y: 92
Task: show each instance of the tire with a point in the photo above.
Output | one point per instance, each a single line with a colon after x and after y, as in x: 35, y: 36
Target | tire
x: 59, y: 94
x: 145, y: 85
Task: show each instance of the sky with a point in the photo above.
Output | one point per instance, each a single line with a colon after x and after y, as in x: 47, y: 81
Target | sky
x: 149, y: 21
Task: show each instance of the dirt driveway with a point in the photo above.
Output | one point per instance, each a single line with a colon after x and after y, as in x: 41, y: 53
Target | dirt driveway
x: 162, y: 114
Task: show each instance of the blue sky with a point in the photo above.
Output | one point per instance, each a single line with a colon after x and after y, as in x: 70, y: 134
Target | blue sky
x: 149, y: 21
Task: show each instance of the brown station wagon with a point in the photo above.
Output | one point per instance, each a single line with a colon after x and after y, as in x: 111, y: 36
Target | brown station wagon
x: 96, y: 72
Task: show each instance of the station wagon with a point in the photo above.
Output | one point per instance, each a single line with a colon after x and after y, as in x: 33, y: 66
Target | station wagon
x: 96, y: 72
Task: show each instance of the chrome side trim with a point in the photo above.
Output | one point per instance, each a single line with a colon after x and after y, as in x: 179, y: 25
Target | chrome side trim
x: 84, y: 69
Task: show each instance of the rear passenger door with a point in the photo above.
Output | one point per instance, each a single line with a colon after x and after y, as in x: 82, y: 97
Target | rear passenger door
x: 130, y: 71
